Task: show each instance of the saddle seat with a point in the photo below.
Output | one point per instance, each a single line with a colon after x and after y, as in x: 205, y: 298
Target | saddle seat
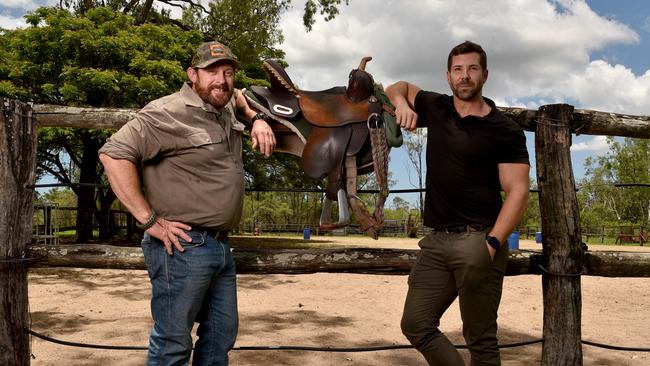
x: 332, y: 108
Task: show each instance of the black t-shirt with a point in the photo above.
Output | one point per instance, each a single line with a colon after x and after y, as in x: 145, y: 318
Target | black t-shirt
x: 463, y: 154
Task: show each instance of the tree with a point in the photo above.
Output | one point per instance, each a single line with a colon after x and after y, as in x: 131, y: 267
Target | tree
x: 602, y: 201
x: 146, y: 11
x: 532, y: 216
x: 95, y: 59
x: 400, y: 204
x: 416, y: 143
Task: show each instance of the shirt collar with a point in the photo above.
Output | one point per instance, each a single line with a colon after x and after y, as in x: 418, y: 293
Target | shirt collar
x: 192, y: 99
x: 490, y: 102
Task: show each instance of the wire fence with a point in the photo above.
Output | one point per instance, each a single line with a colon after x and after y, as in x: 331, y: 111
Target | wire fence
x: 52, y: 221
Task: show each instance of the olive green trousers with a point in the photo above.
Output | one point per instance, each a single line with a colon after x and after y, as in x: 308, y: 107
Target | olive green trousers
x: 452, y: 265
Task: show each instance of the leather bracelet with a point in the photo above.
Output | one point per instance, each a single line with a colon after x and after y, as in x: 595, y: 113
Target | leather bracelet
x: 151, y: 221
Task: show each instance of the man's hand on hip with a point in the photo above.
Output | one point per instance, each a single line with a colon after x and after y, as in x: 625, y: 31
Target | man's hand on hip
x: 169, y: 232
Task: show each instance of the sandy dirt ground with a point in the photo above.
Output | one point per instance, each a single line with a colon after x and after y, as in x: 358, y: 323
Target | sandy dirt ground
x: 323, y: 310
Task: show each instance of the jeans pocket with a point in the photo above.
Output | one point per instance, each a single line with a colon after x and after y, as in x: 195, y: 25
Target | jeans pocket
x: 198, y: 239
x: 145, y: 244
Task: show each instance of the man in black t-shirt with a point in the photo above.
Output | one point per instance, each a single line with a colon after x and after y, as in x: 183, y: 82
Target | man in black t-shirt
x: 473, y: 151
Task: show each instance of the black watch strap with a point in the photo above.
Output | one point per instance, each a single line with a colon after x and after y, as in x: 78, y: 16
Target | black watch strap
x: 260, y: 115
x: 493, y: 242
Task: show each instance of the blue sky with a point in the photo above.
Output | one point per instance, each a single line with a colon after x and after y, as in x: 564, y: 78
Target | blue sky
x: 591, y: 54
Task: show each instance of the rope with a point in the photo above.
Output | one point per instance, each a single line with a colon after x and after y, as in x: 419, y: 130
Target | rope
x: 547, y: 272
x: 326, y: 349
x: 542, y: 121
x: 17, y: 259
x: 270, y: 348
x: 85, y: 345
x: 618, y: 348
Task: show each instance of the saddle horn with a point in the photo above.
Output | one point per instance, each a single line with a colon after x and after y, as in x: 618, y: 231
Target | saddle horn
x: 360, y: 83
x: 364, y: 61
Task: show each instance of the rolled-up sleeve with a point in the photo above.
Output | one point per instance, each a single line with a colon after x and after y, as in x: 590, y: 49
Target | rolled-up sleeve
x: 137, y: 141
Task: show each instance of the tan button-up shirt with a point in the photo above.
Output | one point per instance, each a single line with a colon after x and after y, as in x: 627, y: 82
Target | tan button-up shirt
x: 191, y: 159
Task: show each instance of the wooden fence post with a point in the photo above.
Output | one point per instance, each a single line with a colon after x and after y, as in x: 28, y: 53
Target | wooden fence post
x: 17, y: 174
x: 562, y: 241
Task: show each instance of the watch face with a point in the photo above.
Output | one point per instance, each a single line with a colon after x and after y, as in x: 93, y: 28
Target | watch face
x: 494, y: 242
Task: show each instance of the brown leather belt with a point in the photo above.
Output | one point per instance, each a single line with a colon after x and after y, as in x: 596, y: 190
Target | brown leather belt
x: 460, y: 228
x: 220, y: 235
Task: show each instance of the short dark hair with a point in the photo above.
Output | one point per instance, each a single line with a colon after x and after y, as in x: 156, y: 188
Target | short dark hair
x: 468, y: 47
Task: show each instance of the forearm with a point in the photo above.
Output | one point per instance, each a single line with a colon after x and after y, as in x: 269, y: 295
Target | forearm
x: 398, y: 93
x: 511, y: 213
x: 243, y: 109
x: 402, y: 94
x: 125, y: 183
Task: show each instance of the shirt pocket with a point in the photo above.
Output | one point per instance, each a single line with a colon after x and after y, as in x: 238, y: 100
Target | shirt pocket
x: 207, y: 147
x: 203, y: 138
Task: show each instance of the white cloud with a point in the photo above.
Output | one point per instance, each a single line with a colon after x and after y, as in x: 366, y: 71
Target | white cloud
x: 598, y: 145
x: 8, y: 22
x: 12, y: 11
x: 611, y: 88
x: 26, y: 4
x: 538, y: 51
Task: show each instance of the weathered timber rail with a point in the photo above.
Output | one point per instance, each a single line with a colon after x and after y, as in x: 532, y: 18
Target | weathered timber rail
x: 339, y: 260
x: 584, y: 121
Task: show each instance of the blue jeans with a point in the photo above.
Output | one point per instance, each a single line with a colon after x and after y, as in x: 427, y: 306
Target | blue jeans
x: 198, y: 285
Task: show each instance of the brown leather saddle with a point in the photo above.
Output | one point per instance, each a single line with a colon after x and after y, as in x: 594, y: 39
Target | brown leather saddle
x: 339, y: 133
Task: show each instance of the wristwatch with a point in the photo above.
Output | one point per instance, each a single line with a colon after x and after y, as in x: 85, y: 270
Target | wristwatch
x: 260, y: 115
x: 493, y: 242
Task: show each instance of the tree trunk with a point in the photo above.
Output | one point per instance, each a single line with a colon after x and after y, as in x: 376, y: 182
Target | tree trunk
x: 86, y: 194
x: 18, y: 140
x: 350, y: 260
x: 562, y: 241
x: 144, y: 13
x: 103, y: 216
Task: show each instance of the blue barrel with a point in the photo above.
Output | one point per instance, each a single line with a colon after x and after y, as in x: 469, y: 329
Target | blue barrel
x: 538, y: 237
x: 513, y: 241
x: 306, y: 234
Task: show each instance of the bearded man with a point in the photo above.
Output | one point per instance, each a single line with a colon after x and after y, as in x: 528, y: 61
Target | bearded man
x: 187, y: 147
x: 473, y: 151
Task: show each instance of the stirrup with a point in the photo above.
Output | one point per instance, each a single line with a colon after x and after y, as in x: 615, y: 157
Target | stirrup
x: 326, y: 212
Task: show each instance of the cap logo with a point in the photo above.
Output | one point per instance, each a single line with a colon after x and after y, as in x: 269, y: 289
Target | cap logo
x: 216, y: 50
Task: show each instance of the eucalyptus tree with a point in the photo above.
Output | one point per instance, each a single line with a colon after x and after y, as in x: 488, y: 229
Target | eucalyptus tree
x: 125, y: 54
x: 99, y: 59
x: 604, y: 202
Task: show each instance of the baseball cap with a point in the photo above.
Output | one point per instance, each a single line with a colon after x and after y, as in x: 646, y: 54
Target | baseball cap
x: 211, y: 52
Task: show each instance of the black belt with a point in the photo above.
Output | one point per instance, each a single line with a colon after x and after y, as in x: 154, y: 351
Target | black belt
x: 460, y: 228
x: 220, y: 235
